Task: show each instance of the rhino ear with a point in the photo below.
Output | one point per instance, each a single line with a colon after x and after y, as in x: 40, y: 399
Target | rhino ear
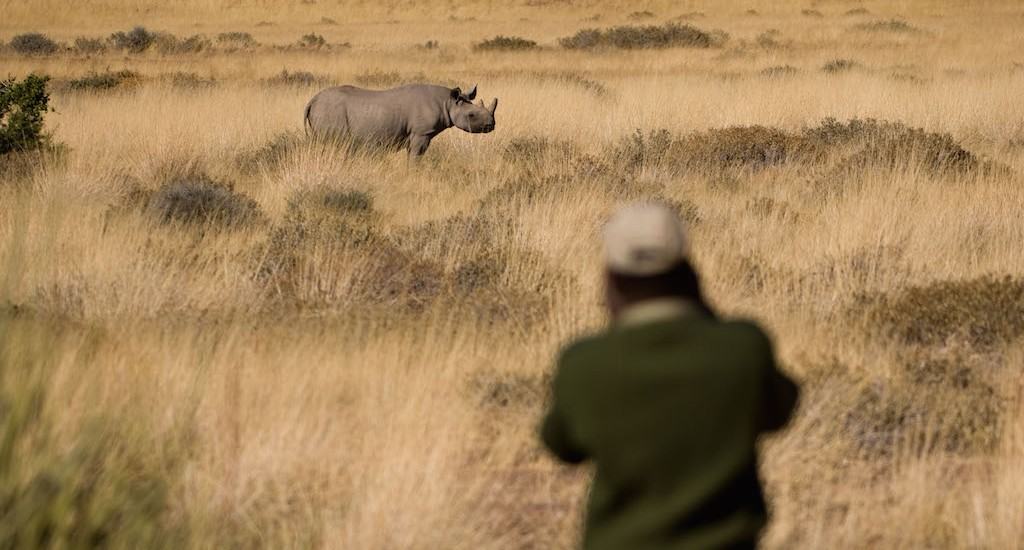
x: 493, y: 106
x: 456, y: 92
x: 471, y: 95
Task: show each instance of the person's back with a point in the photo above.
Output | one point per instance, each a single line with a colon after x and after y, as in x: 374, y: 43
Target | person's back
x: 669, y: 403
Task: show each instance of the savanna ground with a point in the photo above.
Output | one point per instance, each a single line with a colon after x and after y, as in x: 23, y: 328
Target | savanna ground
x: 216, y: 333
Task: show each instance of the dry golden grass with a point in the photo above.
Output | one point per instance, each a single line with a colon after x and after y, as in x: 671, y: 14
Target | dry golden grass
x: 337, y: 374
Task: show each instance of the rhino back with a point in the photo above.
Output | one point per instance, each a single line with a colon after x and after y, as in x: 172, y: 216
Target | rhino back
x: 385, y: 116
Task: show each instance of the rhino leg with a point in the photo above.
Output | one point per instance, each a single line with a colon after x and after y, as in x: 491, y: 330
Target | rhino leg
x: 418, y: 145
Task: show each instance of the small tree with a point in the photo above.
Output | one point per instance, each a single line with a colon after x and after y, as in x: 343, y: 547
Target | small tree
x: 22, y: 106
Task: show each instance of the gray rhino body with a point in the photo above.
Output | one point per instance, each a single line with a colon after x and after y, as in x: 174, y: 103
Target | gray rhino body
x: 407, y: 117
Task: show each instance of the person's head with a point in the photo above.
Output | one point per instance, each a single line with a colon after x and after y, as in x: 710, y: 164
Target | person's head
x: 471, y: 117
x: 647, y: 257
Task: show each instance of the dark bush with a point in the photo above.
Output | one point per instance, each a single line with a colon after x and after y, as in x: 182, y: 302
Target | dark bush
x: 840, y: 66
x: 236, y: 40
x: 89, y: 45
x: 297, y: 78
x: 189, y: 81
x: 33, y: 43
x: 104, y: 81
x: 271, y: 155
x: 168, y: 44
x: 779, y: 71
x: 505, y: 43
x: 892, y: 25
x: 670, y: 35
x: 387, y: 79
x: 887, y: 145
x: 198, y: 199
x: 984, y: 312
x: 136, y: 40
x: 22, y: 108
x: 312, y: 41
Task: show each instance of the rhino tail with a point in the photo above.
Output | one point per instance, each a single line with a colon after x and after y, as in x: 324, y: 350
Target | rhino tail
x: 305, y: 118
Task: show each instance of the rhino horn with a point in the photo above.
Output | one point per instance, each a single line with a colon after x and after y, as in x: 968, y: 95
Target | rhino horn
x: 493, y: 106
x: 471, y: 95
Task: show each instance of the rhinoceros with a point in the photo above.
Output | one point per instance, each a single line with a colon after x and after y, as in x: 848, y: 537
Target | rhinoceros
x: 404, y: 117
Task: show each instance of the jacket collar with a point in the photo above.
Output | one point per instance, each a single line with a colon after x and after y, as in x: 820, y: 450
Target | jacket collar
x: 653, y: 311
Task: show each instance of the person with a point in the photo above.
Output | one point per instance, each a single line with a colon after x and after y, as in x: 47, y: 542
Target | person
x: 668, y: 402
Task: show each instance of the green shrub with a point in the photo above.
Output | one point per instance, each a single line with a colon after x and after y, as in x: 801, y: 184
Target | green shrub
x: 670, y: 35
x: 96, y: 496
x: 22, y: 108
x: 199, y: 200
x: 505, y: 43
x: 33, y: 43
x: 103, y: 81
x: 136, y: 40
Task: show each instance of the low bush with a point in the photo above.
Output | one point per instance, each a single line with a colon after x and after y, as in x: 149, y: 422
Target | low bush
x: 89, y: 45
x: 23, y: 104
x: 892, y: 25
x: 270, y: 155
x: 887, y: 145
x: 168, y: 44
x: 33, y: 43
x: 236, y: 40
x: 670, y: 35
x: 136, y: 40
x: 197, y: 199
x: 328, y: 21
x: 983, y: 312
x: 857, y: 11
x: 297, y: 78
x: 104, y: 81
x: 505, y: 43
x: 778, y: 71
x: 188, y: 81
x: 312, y: 41
x: 812, y: 13
x: 839, y: 66
x: 387, y: 79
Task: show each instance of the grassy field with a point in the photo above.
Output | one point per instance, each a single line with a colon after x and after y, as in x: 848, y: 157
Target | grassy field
x: 215, y: 332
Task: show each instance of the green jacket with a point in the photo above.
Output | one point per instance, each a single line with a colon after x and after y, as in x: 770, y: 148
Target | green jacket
x: 670, y: 410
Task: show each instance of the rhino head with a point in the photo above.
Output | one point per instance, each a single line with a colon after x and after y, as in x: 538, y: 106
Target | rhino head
x: 475, y: 118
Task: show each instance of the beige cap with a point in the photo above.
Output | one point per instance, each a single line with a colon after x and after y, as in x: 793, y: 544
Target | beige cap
x: 644, y: 239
